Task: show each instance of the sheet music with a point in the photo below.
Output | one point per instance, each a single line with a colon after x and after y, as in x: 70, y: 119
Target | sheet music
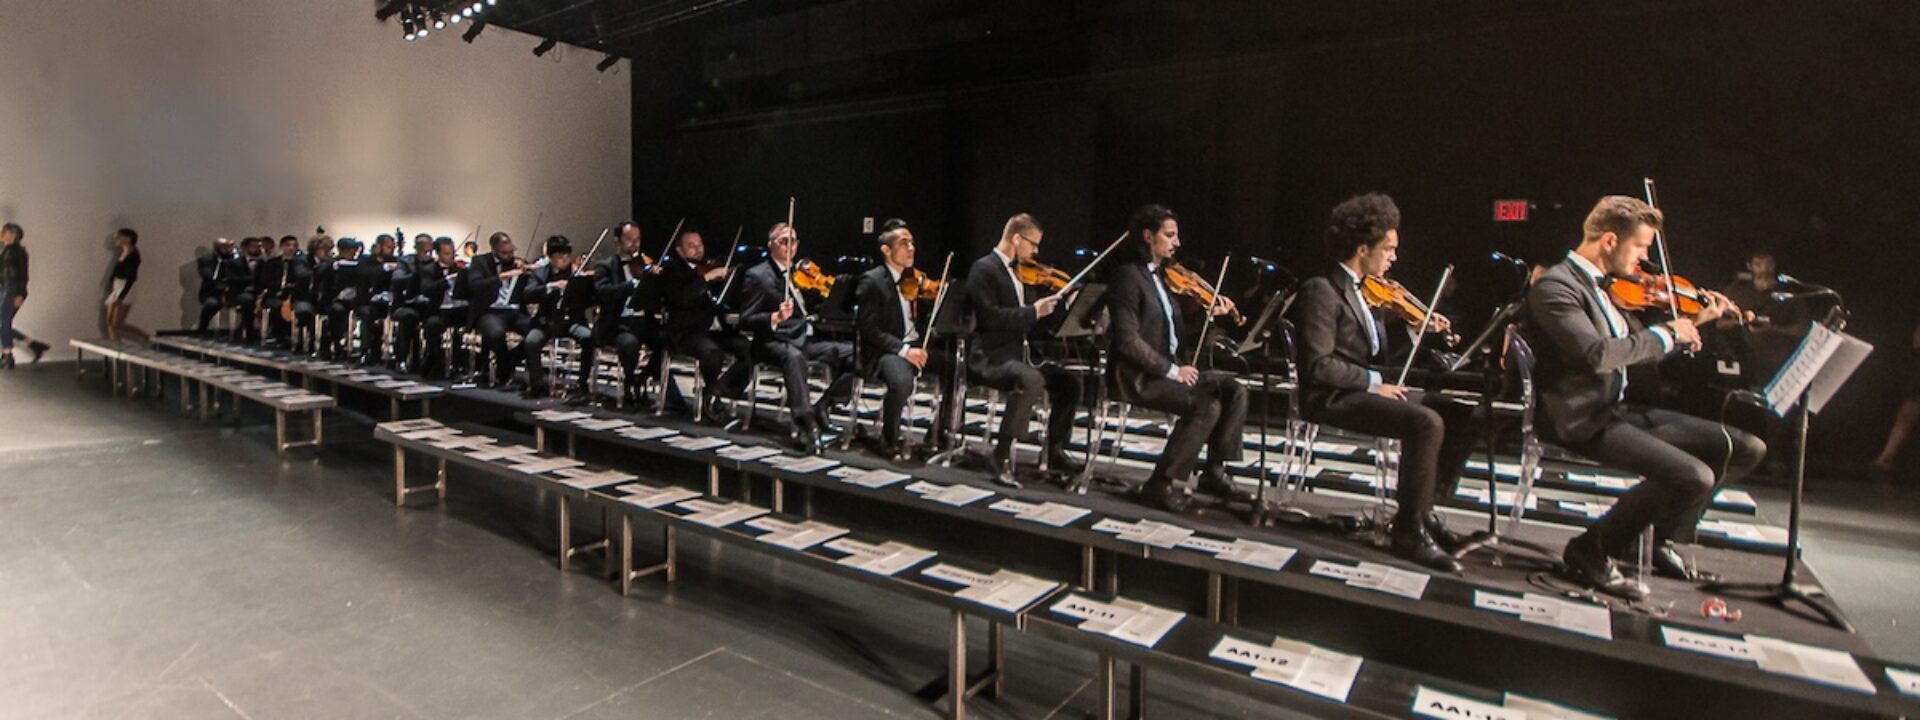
x: 1818, y: 664
x: 650, y: 497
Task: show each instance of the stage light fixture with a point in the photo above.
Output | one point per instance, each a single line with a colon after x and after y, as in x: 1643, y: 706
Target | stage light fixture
x: 607, y: 63
x: 544, y: 47
x: 466, y: 12
x: 474, y: 31
x: 439, y: 23
x: 454, y: 19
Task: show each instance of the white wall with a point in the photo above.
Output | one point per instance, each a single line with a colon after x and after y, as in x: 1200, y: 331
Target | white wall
x: 193, y: 119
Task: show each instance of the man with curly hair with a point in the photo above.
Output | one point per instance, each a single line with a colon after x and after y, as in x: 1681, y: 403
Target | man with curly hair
x: 1340, y: 337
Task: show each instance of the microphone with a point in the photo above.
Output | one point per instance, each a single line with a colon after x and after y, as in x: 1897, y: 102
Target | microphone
x: 1498, y: 256
x: 1785, y: 296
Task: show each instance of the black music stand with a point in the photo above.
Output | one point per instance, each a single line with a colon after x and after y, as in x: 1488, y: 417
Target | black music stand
x: 1084, y: 320
x: 1259, y: 337
x: 1483, y: 345
x: 1823, y: 362
x: 953, y: 322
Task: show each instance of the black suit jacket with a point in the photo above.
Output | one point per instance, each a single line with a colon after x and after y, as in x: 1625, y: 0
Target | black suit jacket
x: 1334, y: 353
x: 1001, y: 322
x: 374, y: 277
x: 483, y: 283
x: 763, y: 288
x: 295, y: 276
x: 614, y: 294
x: 221, y: 276
x: 1580, y: 367
x: 425, y: 286
x: 688, y: 299
x: 1138, y: 329
x: 882, y: 325
x: 558, y: 304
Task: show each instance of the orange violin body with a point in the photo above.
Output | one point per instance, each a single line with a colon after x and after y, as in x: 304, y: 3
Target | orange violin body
x: 1381, y: 292
x: 1648, y: 291
x: 1181, y: 281
x: 808, y: 276
x: 916, y: 285
x: 1042, y: 276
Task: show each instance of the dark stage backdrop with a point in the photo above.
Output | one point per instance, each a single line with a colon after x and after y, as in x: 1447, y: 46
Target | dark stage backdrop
x: 1783, y: 124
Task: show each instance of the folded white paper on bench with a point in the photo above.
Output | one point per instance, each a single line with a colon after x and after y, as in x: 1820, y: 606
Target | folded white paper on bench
x: 955, y: 495
x: 888, y: 558
x: 1818, y: 664
x: 648, y: 496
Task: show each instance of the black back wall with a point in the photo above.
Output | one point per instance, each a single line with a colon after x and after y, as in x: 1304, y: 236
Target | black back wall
x: 1783, y: 124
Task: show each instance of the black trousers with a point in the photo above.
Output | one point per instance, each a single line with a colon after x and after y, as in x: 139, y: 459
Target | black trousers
x: 536, y: 343
x: 898, y: 376
x: 434, y: 328
x: 628, y: 335
x: 209, y: 307
x: 246, y: 325
x: 792, y: 360
x: 1436, y: 437
x: 493, y: 326
x: 1684, y: 460
x: 372, y: 325
x: 277, y: 327
x: 1023, y: 384
x: 406, y: 335
x: 1212, y: 411
x: 715, y: 352
x: 334, y: 333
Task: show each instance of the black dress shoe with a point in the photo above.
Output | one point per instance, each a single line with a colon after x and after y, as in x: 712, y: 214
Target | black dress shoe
x: 1060, y: 462
x: 1584, y: 561
x: 1213, y: 481
x: 1417, y: 545
x: 1160, y: 493
x: 1669, y: 563
x: 538, y: 391
x: 1448, y: 540
x: 810, y: 442
x: 1002, y: 469
x: 6, y: 362
x: 38, y: 349
x: 890, y: 450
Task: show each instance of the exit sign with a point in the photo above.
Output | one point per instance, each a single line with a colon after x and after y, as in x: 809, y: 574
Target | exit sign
x: 1510, y: 210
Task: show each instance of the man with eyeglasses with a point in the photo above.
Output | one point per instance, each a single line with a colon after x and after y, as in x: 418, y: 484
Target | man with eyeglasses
x: 1005, y: 313
x: 775, y: 314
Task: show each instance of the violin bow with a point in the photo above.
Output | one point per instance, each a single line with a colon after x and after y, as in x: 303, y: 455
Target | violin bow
x: 533, y: 237
x: 1660, y: 242
x: 1425, y: 321
x: 728, y: 285
x: 939, y: 298
x: 672, y: 241
x: 581, y: 266
x: 1201, y: 343
x: 1075, y: 280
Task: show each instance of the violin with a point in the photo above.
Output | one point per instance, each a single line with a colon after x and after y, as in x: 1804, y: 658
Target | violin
x: 1648, y: 291
x: 1387, y: 293
x: 1050, y: 278
x: 807, y: 275
x: 1181, y: 281
x: 916, y: 285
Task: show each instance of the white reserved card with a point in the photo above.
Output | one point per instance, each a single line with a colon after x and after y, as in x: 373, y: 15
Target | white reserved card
x: 1906, y: 681
x: 603, y: 424
x: 874, y: 479
x: 650, y: 497
x: 1326, y: 673
x: 547, y: 465
x: 1260, y: 555
x: 955, y: 495
x: 802, y: 466
x: 1818, y: 664
x: 560, y: 415
x: 1537, y: 709
x: 1009, y: 591
x: 647, y: 433
x: 501, y: 452
x: 1428, y: 702
x: 1731, y: 648
x: 888, y: 558
x: 747, y: 453
x: 696, y: 443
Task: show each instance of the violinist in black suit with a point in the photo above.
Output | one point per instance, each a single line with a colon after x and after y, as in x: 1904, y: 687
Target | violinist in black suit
x: 1340, y: 336
x: 690, y: 289
x: 283, y: 277
x: 247, y: 291
x: 560, y: 299
x: 775, y: 314
x: 334, y: 290
x: 438, y: 293
x: 1145, y: 334
x: 626, y: 285
x: 374, y: 288
x: 1584, y: 347
x: 418, y: 289
x: 496, y: 284
x: 1005, y: 313
x: 222, y: 274
x: 891, y: 334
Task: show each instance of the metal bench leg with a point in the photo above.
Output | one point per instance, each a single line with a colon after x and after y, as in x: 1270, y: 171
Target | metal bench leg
x: 1108, y: 671
x: 668, y: 566
x: 957, y: 666
x: 399, y: 475
x: 567, y: 548
x: 1137, y: 693
x: 280, y: 431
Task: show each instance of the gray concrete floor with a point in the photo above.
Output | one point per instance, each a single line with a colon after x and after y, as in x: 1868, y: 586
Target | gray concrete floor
x: 155, y: 567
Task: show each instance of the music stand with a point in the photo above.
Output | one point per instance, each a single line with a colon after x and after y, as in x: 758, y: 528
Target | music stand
x: 1085, y: 319
x: 1824, y: 360
x: 953, y: 322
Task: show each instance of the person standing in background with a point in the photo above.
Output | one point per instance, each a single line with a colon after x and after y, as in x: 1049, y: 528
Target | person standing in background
x: 13, y: 295
x: 126, y: 270
x: 1903, y: 421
